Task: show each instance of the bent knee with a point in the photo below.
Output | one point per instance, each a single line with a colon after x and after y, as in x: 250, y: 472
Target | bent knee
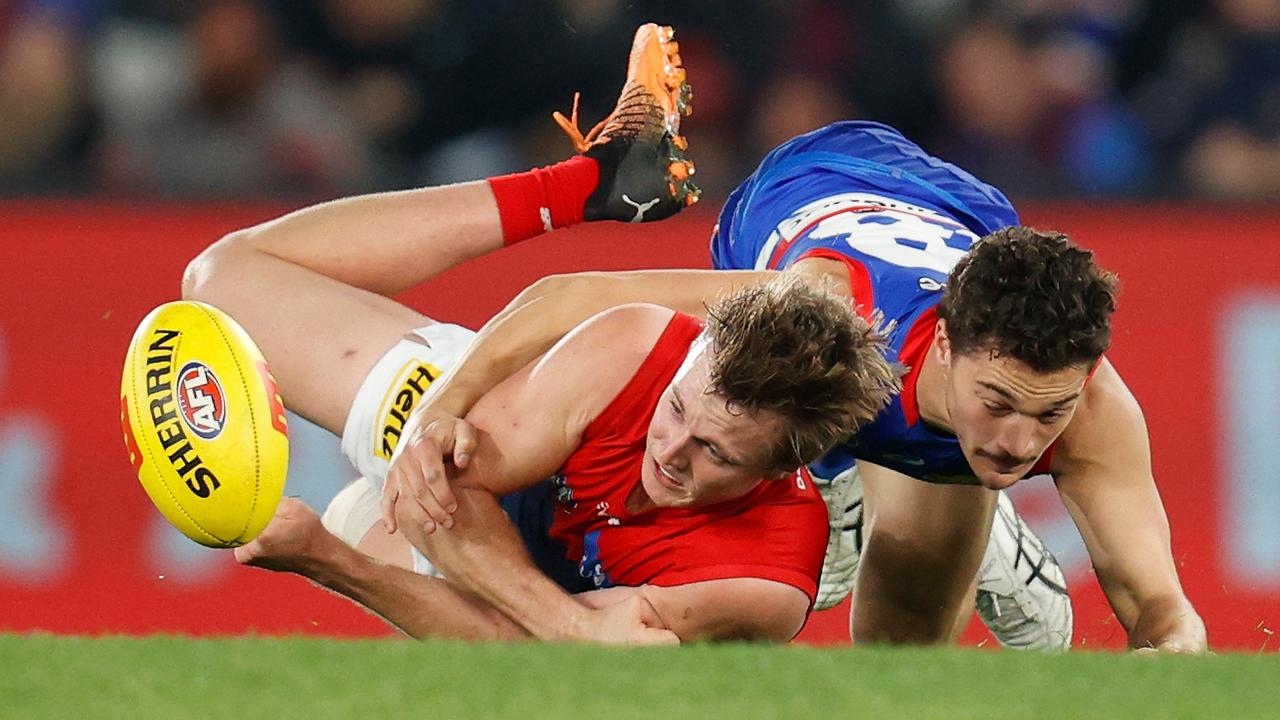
x: 206, y: 272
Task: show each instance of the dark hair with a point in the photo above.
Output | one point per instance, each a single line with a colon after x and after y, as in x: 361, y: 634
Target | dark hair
x: 802, y: 353
x: 1032, y: 296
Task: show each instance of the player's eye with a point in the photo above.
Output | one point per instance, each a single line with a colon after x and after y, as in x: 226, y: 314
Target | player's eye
x: 1051, y: 417
x: 716, y: 457
x: 995, y: 409
x: 676, y: 409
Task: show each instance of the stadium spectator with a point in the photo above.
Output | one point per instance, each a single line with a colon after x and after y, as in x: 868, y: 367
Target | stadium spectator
x: 206, y: 104
x: 1214, y: 105
x: 45, y: 124
x: 1048, y: 97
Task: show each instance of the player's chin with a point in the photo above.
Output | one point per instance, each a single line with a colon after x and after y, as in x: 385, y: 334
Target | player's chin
x: 674, y: 498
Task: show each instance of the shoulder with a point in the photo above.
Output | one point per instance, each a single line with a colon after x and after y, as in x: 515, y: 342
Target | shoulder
x: 533, y: 420
x: 595, y: 361
x: 619, y: 337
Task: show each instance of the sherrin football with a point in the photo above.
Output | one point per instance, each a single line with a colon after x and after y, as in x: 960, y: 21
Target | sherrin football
x: 204, y: 423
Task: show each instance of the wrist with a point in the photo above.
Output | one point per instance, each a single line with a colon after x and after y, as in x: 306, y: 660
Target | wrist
x: 450, y: 395
x: 556, y: 619
x: 1168, y: 623
x: 576, y: 625
x: 334, y: 565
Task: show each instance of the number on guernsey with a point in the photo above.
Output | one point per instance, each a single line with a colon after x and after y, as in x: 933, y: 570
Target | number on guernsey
x: 900, y: 238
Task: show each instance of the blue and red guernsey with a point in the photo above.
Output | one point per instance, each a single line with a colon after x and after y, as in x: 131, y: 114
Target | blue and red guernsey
x: 899, y: 219
x: 778, y: 531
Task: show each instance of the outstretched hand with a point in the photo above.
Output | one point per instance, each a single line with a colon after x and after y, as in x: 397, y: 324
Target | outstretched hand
x: 417, y: 473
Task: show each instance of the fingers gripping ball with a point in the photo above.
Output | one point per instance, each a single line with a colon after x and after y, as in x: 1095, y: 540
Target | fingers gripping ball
x: 204, y: 424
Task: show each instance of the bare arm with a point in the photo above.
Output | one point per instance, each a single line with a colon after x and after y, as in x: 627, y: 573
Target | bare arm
x: 1103, y: 471
x: 728, y: 609
x: 545, y: 311
x: 421, y: 606
x: 528, y: 425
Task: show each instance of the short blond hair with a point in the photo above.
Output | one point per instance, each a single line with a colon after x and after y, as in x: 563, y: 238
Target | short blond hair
x: 802, y: 353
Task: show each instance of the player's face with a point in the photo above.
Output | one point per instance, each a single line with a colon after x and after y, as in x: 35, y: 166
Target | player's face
x: 702, y: 450
x: 1006, y: 415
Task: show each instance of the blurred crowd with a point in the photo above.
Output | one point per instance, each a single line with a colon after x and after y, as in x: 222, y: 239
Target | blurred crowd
x: 314, y: 98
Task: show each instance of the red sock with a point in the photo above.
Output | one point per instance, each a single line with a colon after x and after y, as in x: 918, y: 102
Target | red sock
x: 531, y: 203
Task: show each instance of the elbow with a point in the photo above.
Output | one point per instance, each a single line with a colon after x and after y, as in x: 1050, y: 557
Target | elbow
x: 776, y: 619
x: 784, y: 627
x: 790, y: 619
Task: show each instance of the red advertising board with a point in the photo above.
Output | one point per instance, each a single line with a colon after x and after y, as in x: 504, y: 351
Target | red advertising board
x: 82, y: 550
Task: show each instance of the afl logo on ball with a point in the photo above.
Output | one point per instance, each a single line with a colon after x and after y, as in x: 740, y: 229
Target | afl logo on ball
x: 200, y: 400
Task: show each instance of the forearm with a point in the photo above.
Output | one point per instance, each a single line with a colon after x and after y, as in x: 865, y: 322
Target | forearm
x: 483, y: 555
x: 384, y: 242
x: 421, y: 606
x: 547, y: 310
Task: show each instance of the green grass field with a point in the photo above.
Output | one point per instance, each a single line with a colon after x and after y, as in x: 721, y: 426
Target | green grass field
x: 243, y: 678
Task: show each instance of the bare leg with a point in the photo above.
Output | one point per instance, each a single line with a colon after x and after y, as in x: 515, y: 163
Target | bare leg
x: 924, y: 544
x: 312, y: 288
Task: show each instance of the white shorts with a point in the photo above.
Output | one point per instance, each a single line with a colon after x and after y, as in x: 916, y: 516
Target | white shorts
x: 392, y: 389
x: 388, y: 394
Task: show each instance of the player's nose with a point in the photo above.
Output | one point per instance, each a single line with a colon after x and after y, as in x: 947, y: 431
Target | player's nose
x: 673, y: 453
x: 1017, y: 438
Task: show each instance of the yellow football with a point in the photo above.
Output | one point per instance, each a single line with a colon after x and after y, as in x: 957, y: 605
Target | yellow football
x: 204, y: 423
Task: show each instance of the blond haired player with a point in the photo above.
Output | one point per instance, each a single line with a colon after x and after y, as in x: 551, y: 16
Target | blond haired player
x: 673, y: 469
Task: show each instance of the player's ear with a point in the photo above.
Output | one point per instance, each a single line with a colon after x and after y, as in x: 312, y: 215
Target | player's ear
x: 942, y: 343
x: 779, y: 474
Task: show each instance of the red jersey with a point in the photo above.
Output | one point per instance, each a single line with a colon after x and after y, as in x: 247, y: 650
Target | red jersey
x: 778, y: 531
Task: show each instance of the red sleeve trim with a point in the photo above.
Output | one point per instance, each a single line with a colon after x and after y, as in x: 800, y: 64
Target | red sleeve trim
x: 914, y: 349
x: 860, y: 285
